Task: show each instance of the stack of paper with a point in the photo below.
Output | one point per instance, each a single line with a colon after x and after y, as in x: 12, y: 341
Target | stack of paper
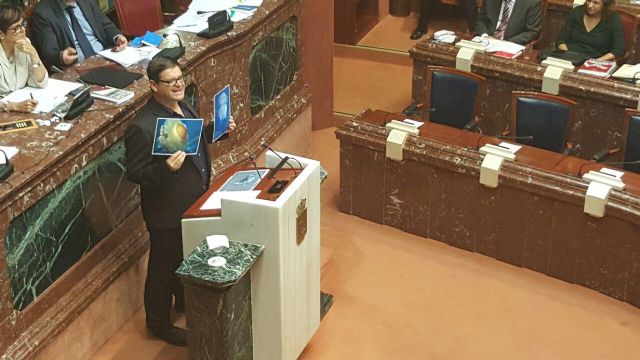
x: 10, y: 151
x: 195, y: 18
x: 505, y: 48
x: 54, y: 94
x: 130, y: 55
x: 628, y: 71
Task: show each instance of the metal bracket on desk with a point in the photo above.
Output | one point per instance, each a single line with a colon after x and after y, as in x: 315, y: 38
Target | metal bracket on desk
x: 465, y: 55
x: 465, y: 58
x: 492, y: 162
x: 397, y: 137
x: 551, y: 80
x: 600, y: 185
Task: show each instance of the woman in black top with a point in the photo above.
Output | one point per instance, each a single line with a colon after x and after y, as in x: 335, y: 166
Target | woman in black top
x: 593, y: 29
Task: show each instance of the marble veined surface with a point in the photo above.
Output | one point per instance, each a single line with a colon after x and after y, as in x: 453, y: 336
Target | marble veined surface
x: 239, y: 258
x: 273, y: 64
x: 46, y: 240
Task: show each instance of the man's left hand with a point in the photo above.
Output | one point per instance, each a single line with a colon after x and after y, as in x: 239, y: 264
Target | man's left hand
x: 121, y: 43
x: 232, y: 124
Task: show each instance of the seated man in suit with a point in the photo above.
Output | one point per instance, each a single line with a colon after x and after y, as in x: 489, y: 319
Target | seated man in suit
x: 518, y: 21
x: 65, y: 31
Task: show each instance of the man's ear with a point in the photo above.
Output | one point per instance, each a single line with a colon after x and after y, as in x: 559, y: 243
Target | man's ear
x: 153, y: 85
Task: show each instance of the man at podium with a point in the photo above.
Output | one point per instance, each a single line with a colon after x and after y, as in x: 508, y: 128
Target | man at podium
x: 169, y: 184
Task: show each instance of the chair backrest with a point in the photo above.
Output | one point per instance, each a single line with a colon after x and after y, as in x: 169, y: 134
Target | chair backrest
x: 631, y: 139
x: 451, y: 96
x: 548, y: 119
x: 629, y: 23
x: 138, y: 16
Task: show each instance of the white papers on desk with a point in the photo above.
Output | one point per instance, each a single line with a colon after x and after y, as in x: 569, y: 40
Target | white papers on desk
x: 10, y: 151
x: 238, y: 15
x: 209, y: 5
x: 627, y: 71
x: 54, y: 94
x: 255, y: 3
x: 215, y: 201
x: 191, y: 21
x: 504, y: 46
x: 130, y: 55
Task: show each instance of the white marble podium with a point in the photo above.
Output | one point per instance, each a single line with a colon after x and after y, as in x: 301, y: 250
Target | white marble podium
x: 285, y: 281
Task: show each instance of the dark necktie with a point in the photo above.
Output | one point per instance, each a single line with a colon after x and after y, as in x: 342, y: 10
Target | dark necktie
x: 85, y: 45
x: 504, y: 20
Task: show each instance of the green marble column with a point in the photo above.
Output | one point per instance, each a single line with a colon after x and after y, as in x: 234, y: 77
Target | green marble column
x: 218, y: 301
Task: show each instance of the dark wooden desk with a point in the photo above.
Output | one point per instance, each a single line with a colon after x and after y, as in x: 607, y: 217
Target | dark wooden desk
x: 601, y: 102
x: 533, y: 219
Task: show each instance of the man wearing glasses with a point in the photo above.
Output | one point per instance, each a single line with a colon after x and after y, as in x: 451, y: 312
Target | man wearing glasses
x: 168, y: 187
x: 66, y: 31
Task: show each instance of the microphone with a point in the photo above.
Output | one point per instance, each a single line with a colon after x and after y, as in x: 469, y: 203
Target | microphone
x: 253, y: 161
x: 6, y: 169
x: 283, y: 161
x: 607, y: 163
x: 527, y: 137
x: 57, y: 69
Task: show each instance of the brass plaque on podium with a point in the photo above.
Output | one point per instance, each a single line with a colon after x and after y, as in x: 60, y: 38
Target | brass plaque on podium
x: 301, y: 221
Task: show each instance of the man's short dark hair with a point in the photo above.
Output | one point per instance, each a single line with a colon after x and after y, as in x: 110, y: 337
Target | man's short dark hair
x: 9, y: 15
x: 159, y: 64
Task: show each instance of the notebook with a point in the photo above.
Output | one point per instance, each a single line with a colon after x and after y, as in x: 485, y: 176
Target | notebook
x: 109, y: 77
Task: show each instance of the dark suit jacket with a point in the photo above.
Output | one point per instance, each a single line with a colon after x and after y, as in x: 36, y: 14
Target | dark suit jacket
x: 165, y: 195
x: 524, y: 24
x: 51, y: 34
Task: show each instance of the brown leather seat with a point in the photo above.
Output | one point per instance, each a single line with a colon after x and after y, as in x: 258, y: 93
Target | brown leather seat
x: 136, y: 17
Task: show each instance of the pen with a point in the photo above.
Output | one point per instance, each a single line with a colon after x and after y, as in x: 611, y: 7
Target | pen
x: 31, y: 94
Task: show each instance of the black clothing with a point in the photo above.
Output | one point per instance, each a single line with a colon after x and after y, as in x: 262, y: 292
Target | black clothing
x: 606, y: 37
x: 51, y: 34
x: 165, y: 196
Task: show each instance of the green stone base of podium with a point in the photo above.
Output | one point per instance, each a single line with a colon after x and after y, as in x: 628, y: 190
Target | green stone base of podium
x: 218, y: 302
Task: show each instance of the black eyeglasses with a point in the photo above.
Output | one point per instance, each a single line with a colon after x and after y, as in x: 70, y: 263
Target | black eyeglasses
x: 18, y: 28
x: 173, y: 82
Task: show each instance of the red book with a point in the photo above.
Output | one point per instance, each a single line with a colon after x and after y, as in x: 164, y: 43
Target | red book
x: 507, y: 55
x: 598, y: 68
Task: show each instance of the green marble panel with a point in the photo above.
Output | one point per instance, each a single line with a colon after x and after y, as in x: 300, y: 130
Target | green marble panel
x: 273, y: 64
x: 47, y: 239
x: 240, y: 256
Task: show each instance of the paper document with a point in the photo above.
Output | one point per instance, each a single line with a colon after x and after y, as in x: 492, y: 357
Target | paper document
x: 627, y: 71
x: 191, y: 21
x: 504, y: 46
x: 239, y: 15
x: 130, y: 55
x: 10, y: 151
x: 217, y: 5
x: 54, y: 94
x: 215, y: 241
x: 255, y: 3
x: 215, y: 200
